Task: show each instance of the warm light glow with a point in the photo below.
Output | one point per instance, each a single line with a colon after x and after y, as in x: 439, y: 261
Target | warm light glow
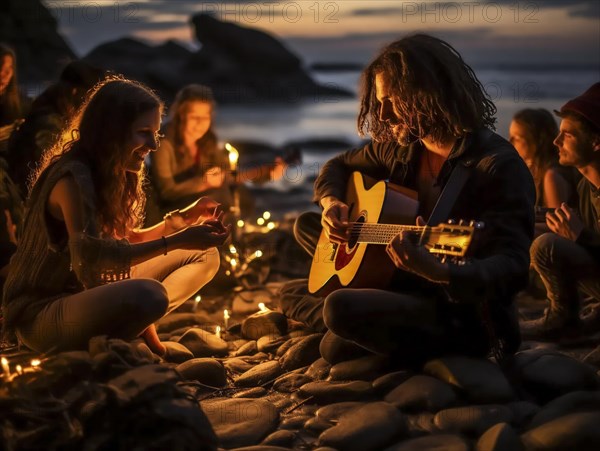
x: 240, y: 223
x: 19, y: 369
x: 266, y: 215
x: 262, y: 307
x: 233, y: 156
x: 198, y: 299
x: 5, y: 367
x: 218, y: 332
x: 271, y: 225
x: 233, y: 263
x: 232, y: 249
x: 258, y: 253
x: 260, y: 221
x: 226, y: 314
x: 35, y: 362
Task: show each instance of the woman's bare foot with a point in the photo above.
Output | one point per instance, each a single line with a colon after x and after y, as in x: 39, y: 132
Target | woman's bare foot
x: 151, y: 338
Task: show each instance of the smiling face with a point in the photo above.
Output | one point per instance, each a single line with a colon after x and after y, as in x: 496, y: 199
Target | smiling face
x: 576, y: 147
x: 7, y: 71
x: 196, y: 120
x: 143, y: 139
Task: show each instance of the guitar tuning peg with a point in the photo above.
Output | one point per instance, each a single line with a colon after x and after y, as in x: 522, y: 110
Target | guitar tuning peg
x: 451, y: 221
x: 461, y: 222
x: 471, y: 223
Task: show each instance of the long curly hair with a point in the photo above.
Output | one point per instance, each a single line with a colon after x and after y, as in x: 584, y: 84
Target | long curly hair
x: 98, y: 134
x: 434, y: 92
x: 10, y: 98
x: 540, y: 130
x: 179, y: 108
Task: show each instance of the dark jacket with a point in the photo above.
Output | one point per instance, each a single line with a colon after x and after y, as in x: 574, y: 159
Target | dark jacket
x: 589, y: 212
x: 500, y: 192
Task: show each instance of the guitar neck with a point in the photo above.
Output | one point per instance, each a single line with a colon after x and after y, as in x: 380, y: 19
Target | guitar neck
x: 373, y: 233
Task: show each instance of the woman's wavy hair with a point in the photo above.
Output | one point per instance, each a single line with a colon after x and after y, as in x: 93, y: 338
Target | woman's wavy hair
x: 99, y: 133
x: 179, y: 108
x: 12, y: 97
x: 540, y: 129
x: 434, y: 92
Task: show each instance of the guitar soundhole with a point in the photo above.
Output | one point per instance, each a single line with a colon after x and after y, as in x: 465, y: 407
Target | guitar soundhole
x: 355, y: 232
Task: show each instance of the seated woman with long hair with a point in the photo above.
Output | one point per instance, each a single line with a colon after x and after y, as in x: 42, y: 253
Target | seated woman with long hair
x: 532, y: 132
x: 82, y: 268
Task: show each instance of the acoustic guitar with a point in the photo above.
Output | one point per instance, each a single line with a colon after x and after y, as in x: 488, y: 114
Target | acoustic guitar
x: 379, y: 210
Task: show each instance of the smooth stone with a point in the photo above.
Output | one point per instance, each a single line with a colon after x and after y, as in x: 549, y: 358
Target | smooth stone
x: 240, y: 421
x: 576, y: 432
x: 325, y: 448
x: 249, y: 348
x: 303, y: 353
x: 319, y: 370
x: 280, y: 438
x: 422, y: 393
x: 237, y: 365
x: 420, y: 424
x: 264, y: 323
x: 260, y: 374
x: 362, y: 369
x: 316, y: 425
x: 579, y: 401
x: 550, y: 376
x: 333, y: 412
x: 174, y: 321
x: 472, y: 419
x: 270, y: 343
x: 369, y: 427
x: 501, y: 437
x: 287, y: 345
x: 481, y: 380
x: 389, y: 381
x: 294, y: 422
x: 523, y: 412
x: 442, y: 442
x: 290, y: 382
x: 176, y: 352
x: 204, y: 370
x: 204, y: 344
x: 255, y: 392
x: 325, y: 392
x: 261, y: 448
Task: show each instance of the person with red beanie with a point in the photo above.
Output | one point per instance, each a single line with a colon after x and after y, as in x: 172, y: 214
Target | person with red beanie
x: 568, y: 258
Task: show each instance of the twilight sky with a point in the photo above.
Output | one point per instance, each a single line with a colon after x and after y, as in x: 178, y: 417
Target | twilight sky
x: 487, y: 33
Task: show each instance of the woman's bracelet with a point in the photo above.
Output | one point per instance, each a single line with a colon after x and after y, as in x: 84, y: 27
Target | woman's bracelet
x: 164, y: 240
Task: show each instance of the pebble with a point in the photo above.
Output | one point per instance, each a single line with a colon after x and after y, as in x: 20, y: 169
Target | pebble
x: 366, y: 428
x: 280, y: 438
x: 574, y: 432
x: 442, y: 442
x: 303, y: 353
x: 270, y: 343
x: 319, y: 370
x: 176, y: 352
x: 422, y: 393
x: 204, y: 344
x: 237, y: 365
x: 255, y: 392
x: 264, y: 323
x: 333, y: 412
x: 174, y: 321
x: 324, y: 392
x: 260, y: 374
x: 578, y: 401
x: 317, y: 425
x: 288, y: 344
x: 501, y: 437
x: 204, y: 370
x: 523, y: 411
x: 481, y: 380
x: 240, y: 421
x: 389, y: 381
x: 294, y: 422
x: 420, y: 424
x: 290, y: 382
x: 249, y: 348
x: 472, y: 419
x: 363, y: 369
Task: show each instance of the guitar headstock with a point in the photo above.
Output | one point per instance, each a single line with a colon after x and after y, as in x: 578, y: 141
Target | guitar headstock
x: 451, y: 239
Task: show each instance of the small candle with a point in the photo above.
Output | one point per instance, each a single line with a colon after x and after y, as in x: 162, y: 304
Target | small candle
x: 218, y: 332
x: 233, y: 156
x: 35, y: 363
x: 19, y: 370
x: 5, y: 368
x: 266, y: 215
x: 258, y: 253
x: 226, y: 318
x: 271, y: 225
x: 197, y: 300
x: 233, y: 263
x: 260, y: 221
x: 262, y: 307
x: 240, y: 223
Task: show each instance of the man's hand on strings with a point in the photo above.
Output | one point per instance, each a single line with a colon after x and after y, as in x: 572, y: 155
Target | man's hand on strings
x: 334, y: 219
x: 413, y: 258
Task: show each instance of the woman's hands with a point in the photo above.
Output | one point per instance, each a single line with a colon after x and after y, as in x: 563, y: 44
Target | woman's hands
x: 195, y: 213
x: 208, y: 233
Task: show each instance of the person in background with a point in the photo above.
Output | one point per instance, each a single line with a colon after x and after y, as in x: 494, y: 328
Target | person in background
x: 568, y: 258
x: 189, y: 162
x: 49, y: 115
x: 532, y: 132
x: 82, y: 266
x: 13, y: 104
